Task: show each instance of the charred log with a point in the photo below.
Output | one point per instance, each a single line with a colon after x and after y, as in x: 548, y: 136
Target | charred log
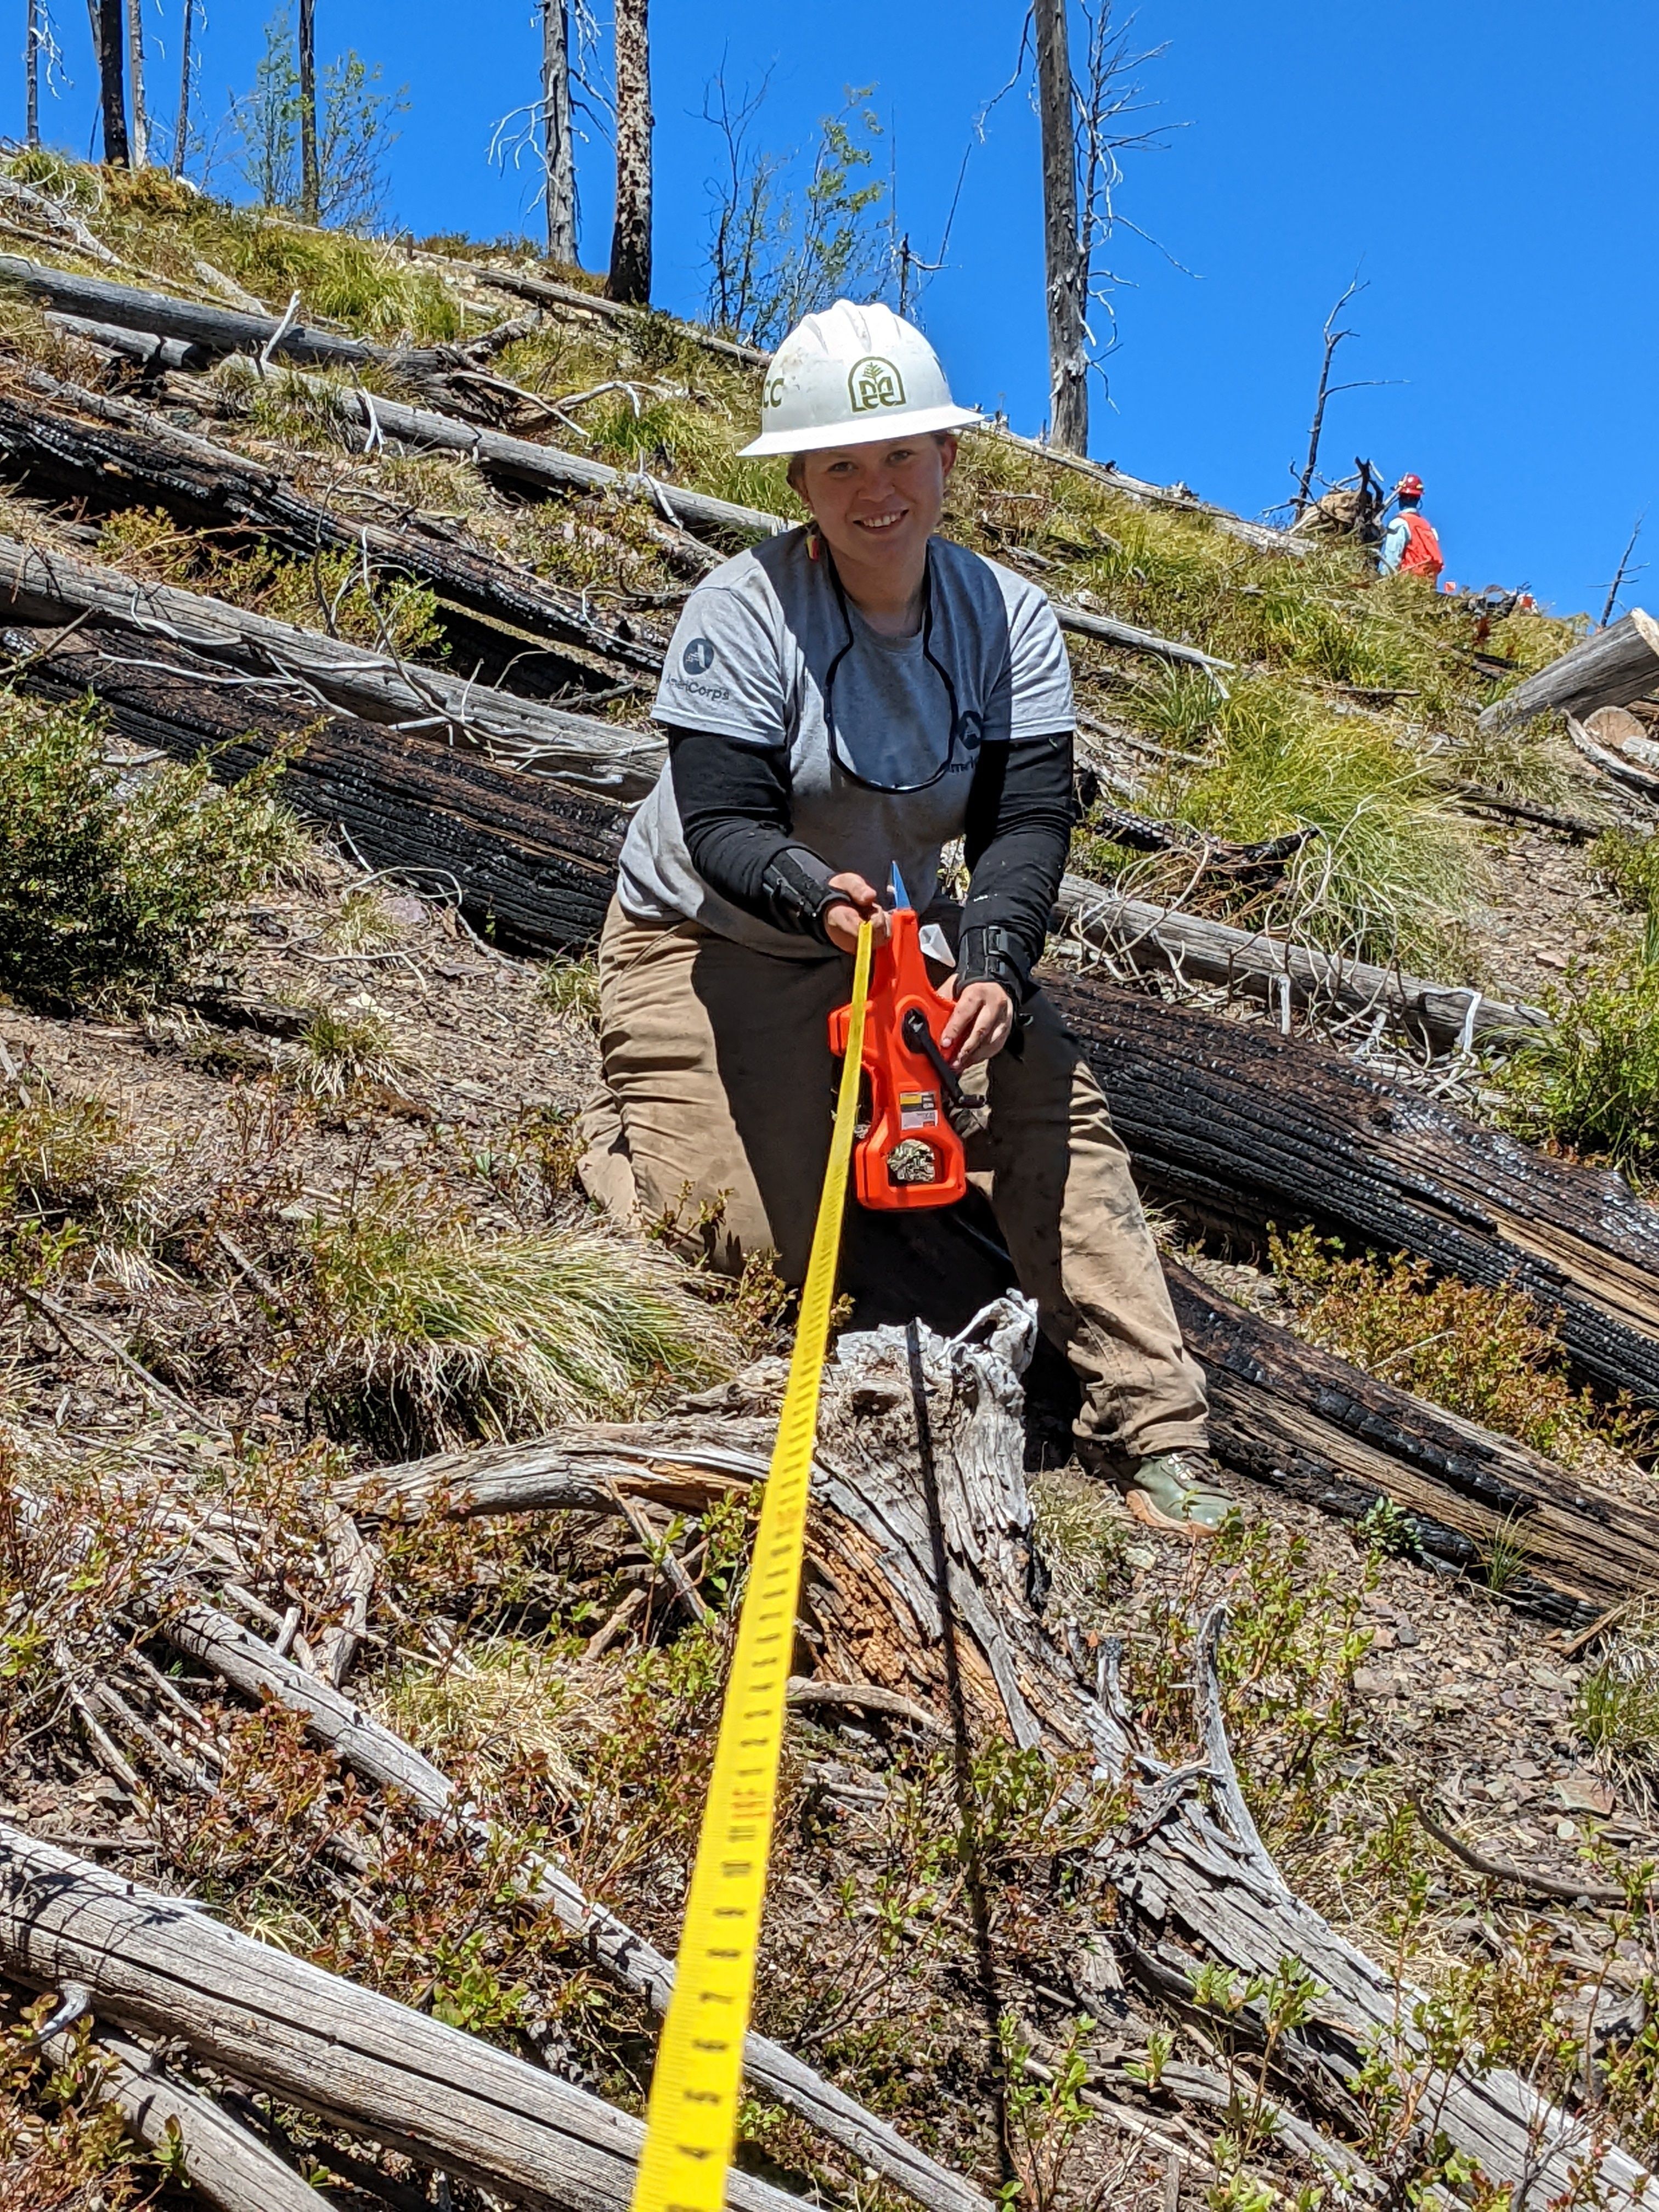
x: 1303, y: 1421
x: 91, y: 446
x: 1243, y: 1128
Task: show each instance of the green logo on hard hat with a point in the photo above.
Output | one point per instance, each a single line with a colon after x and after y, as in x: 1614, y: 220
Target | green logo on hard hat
x: 874, y: 382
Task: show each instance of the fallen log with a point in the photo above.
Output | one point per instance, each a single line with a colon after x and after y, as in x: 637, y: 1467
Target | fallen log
x: 41, y: 586
x: 920, y: 1470
x: 157, y: 355
x: 527, y: 859
x: 225, y: 2162
x: 1609, y: 668
x: 1302, y: 1421
x: 90, y: 445
x: 217, y: 330
x: 544, y: 293
x: 252, y: 1666
x: 1633, y: 774
x: 1261, y: 535
x: 542, y: 468
x: 1162, y: 940
x: 1242, y: 1127
x: 355, y: 2058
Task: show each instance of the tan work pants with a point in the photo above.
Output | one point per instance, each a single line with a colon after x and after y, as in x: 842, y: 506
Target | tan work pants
x: 718, y: 1084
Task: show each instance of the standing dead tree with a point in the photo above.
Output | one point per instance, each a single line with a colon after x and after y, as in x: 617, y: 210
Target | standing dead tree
x: 1084, y: 135
x: 557, y: 148
x: 629, y: 280
x: 1333, y: 337
x: 1064, y: 275
x: 1622, y: 572
x: 181, y: 133
x: 135, y: 70
x: 111, y: 81
x: 311, y: 191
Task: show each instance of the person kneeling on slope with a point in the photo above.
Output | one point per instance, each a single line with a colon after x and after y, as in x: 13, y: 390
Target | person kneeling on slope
x: 846, y: 696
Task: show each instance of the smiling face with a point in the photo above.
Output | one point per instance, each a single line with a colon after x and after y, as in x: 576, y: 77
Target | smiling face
x: 877, y: 506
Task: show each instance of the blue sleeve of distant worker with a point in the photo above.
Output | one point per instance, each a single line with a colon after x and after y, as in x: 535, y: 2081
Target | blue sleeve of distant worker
x: 1396, y: 538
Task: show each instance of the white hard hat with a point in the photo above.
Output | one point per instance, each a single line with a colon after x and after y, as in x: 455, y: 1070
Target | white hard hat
x: 853, y: 376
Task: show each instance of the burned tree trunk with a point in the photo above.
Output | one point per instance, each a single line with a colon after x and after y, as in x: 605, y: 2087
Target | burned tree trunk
x: 1065, y: 270
x: 629, y: 280
x: 1242, y: 1127
x: 311, y: 193
x: 1610, y: 669
x: 1305, y: 1422
x: 112, y: 82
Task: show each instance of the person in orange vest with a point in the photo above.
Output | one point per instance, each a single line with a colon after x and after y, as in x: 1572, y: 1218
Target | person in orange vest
x: 1410, y: 547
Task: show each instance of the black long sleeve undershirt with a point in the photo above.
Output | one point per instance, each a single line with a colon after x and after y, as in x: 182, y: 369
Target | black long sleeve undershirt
x: 734, y: 808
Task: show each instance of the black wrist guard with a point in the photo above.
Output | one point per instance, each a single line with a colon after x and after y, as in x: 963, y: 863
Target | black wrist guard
x: 992, y: 955
x: 795, y: 885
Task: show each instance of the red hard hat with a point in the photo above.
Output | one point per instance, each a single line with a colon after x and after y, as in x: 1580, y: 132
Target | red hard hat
x: 1411, y: 485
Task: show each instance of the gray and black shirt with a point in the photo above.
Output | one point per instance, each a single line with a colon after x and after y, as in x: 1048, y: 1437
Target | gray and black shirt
x: 802, y: 740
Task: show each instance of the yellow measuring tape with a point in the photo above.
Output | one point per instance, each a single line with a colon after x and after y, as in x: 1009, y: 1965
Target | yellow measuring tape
x: 692, y: 2121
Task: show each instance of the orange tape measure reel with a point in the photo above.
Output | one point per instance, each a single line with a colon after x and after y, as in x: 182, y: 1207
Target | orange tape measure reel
x: 912, y: 1084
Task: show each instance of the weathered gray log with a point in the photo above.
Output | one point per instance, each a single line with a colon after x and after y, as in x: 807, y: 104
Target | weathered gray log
x: 72, y: 441
x: 1305, y: 1422
x: 1635, y: 775
x: 1261, y: 535
x: 1200, y: 1882
x: 37, y: 586
x: 1242, y: 1127
x: 547, y: 294
x: 250, y: 1666
x: 226, y: 2163
x: 1161, y: 940
x: 219, y: 330
x: 1607, y: 669
x: 150, y: 351
x: 545, y: 468
x: 529, y: 860
x: 349, y: 2055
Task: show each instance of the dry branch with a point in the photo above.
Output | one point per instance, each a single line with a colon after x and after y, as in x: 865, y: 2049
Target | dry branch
x: 349, y: 2055
x: 361, y: 1742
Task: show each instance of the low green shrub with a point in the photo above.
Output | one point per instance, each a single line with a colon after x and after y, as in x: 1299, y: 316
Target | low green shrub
x: 106, y: 891
x: 1629, y: 865
x: 1592, y: 1082
x: 1487, y: 1354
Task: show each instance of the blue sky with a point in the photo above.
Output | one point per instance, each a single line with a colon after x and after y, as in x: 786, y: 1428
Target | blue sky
x: 1488, y: 175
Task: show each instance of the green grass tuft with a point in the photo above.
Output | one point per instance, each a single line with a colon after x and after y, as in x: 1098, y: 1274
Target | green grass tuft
x: 423, y: 1331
